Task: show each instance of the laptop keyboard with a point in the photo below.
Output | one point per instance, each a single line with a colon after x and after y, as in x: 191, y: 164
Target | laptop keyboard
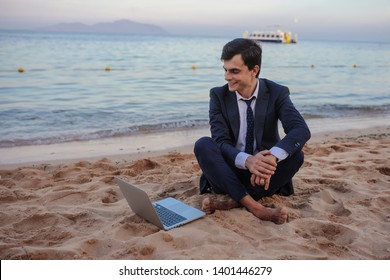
x: 167, y: 216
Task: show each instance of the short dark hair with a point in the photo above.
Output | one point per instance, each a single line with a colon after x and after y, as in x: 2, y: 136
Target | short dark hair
x: 250, y: 52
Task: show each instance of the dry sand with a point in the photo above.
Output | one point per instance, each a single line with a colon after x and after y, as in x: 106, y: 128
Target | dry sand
x: 74, y: 209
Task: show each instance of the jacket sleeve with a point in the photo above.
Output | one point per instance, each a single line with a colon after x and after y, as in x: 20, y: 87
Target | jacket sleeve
x: 294, y: 126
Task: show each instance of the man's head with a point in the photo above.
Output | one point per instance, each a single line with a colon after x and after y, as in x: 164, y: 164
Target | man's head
x: 249, y: 50
x: 241, y: 61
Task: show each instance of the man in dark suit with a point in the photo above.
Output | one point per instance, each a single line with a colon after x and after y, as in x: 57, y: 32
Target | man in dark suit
x: 245, y: 157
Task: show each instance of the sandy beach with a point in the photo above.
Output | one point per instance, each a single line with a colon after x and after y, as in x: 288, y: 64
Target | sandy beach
x: 71, y: 208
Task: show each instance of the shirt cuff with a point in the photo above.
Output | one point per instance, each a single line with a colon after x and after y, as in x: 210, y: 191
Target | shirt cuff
x: 279, y: 153
x: 241, y: 159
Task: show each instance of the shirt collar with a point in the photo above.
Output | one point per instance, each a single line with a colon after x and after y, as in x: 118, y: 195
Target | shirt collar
x: 255, y: 93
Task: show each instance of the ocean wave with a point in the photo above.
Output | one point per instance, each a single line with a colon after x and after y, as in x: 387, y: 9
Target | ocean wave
x: 342, y: 110
x: 101, y: 134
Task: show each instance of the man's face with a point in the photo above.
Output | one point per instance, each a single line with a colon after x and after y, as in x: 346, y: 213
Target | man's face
x: 239, y: 77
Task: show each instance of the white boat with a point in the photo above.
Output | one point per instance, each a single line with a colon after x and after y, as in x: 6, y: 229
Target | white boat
x: 275, y: 36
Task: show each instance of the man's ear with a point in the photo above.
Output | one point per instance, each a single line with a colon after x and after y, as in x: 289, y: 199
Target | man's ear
x: 256, y: 70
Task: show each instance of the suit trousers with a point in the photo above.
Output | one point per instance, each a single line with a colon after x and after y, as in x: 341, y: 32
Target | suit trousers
x: 221, y: 178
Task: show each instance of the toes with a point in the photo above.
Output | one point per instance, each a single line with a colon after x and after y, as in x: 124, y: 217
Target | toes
x: 282, y: 216
x: 206, y: 204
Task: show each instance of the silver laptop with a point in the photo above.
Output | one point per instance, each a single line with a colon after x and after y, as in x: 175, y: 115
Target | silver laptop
x: 166, y: 213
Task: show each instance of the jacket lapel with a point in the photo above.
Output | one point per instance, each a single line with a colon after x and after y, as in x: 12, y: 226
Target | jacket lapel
x: 233, y: 113
x: 260, y: 112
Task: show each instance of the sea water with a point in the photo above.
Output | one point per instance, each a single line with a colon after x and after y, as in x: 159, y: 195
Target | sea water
x: 91, y: 86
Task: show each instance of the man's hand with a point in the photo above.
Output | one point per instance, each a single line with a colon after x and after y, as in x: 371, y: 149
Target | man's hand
x: 262, y: 166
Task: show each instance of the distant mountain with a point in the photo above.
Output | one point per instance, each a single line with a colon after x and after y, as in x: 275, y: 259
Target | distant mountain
x: 117, y: 27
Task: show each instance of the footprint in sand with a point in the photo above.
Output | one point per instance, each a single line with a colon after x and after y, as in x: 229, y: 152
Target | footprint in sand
x: 143, y: 165
x: 70, y: 196
x: 137, y: 252
x: 339, y: 148
x: 134, y: 226
x: 110, y: 196
x: 335, y: 184
x: 384, y: 171
x: 324, y: 201
x: 105, y: 165
x: 327, y: 232
x: 95, y: 248
x: 39, y: 222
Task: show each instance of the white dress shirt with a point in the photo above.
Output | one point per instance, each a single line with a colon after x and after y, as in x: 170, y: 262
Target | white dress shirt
x: 241, y: 158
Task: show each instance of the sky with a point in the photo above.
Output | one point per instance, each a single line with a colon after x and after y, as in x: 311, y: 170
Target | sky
x: 357, y: 20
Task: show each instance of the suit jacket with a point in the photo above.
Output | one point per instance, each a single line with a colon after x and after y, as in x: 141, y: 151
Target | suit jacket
x: 273, y: 103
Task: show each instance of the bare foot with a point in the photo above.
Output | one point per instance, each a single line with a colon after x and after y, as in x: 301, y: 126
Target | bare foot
x: 210, y: 205
x: 276, y: 215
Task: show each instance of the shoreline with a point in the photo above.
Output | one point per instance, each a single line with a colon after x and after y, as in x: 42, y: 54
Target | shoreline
x: 150, y: 144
